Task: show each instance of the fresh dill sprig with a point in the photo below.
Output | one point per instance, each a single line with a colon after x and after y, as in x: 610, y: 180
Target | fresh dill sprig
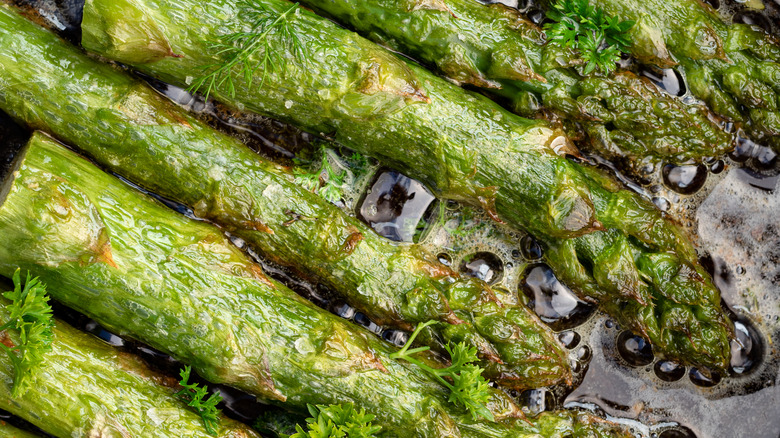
x: 599, y: 39
x: 324, y: 180
x: 464, y: 379
x: 270, y: 35
x: 194, y: 394
x: 337, y: 421
x: 31, y: 316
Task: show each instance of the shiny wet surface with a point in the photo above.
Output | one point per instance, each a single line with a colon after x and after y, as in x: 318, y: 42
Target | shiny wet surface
x: 731, y: 206
x: 395, y: 206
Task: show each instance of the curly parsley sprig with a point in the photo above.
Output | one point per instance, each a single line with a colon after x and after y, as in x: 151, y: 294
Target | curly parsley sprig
x: 194, y: 395
x: 336, y: 421
x: 464, y: 379
x: 325, y: 180
x: 31, y: 316
x: 599, y: 39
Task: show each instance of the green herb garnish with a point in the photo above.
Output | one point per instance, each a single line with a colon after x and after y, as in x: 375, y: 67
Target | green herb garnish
x: 30, y: 315
x: 269, y: 34
x: 358, y: 161
x: 464, y: 379
x: 331, y: 189
x: 599, y: 39
x: 328, y: 186
x: 194, y: 395
x: 337, y: 421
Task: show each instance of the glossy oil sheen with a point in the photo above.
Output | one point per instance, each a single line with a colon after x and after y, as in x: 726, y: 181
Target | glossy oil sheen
x: 395, y: 205
x: 552, y: 300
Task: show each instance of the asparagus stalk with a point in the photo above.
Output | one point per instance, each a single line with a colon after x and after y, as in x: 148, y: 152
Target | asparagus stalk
x: 87, y: 388
x: 179, y: 285
x: 610, y: 245
x: 128, y: 128
x: 734, y: 68
x: 8, y: 431
x: 495, y: 48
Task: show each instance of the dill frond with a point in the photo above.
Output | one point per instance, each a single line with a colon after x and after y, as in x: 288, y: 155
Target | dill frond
x: 270, y: 35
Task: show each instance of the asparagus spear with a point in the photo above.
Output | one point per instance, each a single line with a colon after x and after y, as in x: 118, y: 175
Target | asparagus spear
x: 734, y: 68
x: 179, y: 285
x: 85, y: 387
x: 494, y: 47
x: 127, y: 127
x: 607, y: 243
x: 8, y: 431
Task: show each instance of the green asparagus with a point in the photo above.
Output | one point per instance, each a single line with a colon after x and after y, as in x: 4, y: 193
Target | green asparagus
x: 494, y: 47
x: 607, y: 243
x: 179, y: 285
x: 127, y: 127
x: 8, y: 431
x: 734, y: 68
x: 87, y: 388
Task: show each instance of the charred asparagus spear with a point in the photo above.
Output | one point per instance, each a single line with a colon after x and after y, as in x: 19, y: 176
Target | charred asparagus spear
x: 127, y: 127
x: 85, y: 387
x: 607, y: 243
x: 179, y: 285
x: 494, y: 47
x: 734, y: 68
